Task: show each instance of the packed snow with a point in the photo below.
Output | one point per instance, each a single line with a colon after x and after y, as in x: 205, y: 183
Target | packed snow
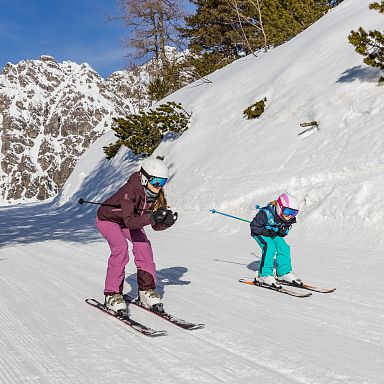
x: 52, y: 256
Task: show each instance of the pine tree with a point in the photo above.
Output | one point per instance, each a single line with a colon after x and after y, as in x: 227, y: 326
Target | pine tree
x: 207, y: 33
x: 219, y: 25
x: 370, y: 44
x: 214, y: 31
x: 284, y: 19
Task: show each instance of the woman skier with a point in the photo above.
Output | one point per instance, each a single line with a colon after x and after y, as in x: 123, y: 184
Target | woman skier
x: 139, y: 202
x: 269, y: 227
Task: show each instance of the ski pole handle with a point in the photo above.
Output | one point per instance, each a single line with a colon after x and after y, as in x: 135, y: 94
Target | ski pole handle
x: 231, y: 216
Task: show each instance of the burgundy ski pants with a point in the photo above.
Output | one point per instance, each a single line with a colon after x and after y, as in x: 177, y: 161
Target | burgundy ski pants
x: 142, y: 251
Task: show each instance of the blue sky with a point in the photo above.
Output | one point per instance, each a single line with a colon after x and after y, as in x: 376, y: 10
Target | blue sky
x: 65, y: 29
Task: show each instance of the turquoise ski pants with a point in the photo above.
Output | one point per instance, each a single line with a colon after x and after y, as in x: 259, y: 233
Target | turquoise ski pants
x: 271, y: 247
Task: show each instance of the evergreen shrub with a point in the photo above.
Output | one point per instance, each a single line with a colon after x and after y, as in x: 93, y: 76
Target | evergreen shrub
x: 143, y: 132
x: 255, y: 110
x: 370, y: 44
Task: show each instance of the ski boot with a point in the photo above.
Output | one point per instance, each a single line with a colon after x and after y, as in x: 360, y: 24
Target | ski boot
x: 269, y: 280
x: 150, y: 299
x: 116, y: 303
x: 291, y: 279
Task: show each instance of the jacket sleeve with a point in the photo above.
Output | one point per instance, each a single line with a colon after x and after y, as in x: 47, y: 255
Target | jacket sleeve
x: 258, y: 225
x: 132, y: 219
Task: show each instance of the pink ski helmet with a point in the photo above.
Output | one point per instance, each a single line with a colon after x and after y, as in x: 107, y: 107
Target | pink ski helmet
x: 287, y: 205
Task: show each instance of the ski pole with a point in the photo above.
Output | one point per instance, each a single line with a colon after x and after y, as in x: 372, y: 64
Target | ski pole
x: 82, y: 201
x: 226, y: 214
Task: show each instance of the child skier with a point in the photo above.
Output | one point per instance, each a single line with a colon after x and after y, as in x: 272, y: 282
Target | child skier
x: 140, y: 202
x: 269, y: 227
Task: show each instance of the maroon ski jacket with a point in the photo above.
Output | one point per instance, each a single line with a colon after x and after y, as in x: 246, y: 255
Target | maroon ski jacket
x: 130, y: 202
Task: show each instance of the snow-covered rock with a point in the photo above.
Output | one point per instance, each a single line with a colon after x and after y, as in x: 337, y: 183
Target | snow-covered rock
x: 50, y: 113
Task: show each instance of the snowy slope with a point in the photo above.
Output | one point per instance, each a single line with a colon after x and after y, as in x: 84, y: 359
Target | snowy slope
x: 229, y: 162
x: 51, y: 253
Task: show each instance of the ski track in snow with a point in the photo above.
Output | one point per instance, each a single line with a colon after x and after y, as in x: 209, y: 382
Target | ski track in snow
x: 250, y: 334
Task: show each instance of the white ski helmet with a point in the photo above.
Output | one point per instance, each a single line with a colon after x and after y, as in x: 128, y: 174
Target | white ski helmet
x: 154, y: 171
x: 287, y: 205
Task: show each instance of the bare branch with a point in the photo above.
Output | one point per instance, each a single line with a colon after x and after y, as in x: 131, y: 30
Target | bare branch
x: 241, y: 19
x: 151, y: 24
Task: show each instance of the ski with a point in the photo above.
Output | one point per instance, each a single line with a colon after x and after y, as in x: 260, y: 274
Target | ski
x: 281, y: 290
x: 309, y: 287
x: 144, y: 330
x: 164, y: 315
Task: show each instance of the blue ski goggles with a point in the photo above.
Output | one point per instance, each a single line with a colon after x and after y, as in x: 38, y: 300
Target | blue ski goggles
x: 157, y: 182
x: 289, y: 211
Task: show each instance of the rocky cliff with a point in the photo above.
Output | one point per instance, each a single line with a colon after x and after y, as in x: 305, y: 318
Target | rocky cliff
x: 50, y: 113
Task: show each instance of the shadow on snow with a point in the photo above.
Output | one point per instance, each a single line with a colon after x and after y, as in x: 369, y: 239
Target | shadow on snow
x: 165, y: 276
x: 37, y: 222
x: 40, y: 222
x: 366, y: 74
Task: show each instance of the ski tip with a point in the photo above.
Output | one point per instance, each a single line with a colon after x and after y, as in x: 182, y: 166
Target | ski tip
x: 318, y: 289
x: 195, y: 326
x: 157, y: 334
x: 305, y: 294
x: 329, y: 290
x: 90, y: 301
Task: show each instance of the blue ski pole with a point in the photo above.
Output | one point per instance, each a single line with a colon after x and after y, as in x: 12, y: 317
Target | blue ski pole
x: 226, y: 214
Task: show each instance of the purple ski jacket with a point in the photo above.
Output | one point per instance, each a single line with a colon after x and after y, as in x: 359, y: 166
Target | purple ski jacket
x: 130, y: 202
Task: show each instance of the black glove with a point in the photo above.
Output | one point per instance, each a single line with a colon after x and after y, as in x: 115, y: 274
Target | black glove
x: 158, y: 216
x: 282, y: 232
x: 170, y: 218
x: 272, y: 233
